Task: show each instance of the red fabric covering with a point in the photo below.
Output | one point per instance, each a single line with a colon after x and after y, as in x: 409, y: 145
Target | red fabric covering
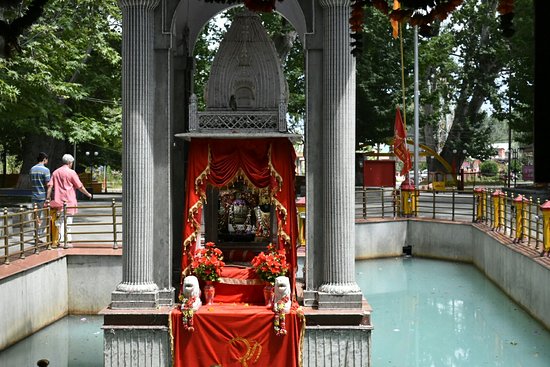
x: 236, y: 336
x: 262, y: 163
x: 239, y: 255
x: 239, y: 285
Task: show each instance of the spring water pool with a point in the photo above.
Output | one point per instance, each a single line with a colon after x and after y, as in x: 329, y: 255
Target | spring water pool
x: 437, y: 313
x: 425, y: 313
x: 73, y: 341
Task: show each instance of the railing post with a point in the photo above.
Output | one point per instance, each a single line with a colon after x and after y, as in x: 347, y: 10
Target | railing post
x: 382, y: 200
x: 113, y: 211
x: 529, y: 219
x: 49, y: 225
x: 537, y: 217
x: 433, y: 204
x: 6, y: 237
x: 453, y: 206
x: 497, y: 211
x: 36, y: 227
x: 364, y: 196
x: 65, y: 244
x: 519, y: 205
x: 545, y: 209
x: 395, y: 202
x: 478, y: 211
x: 486, y: 201
x: 407, y: 199
x: 21, y: 232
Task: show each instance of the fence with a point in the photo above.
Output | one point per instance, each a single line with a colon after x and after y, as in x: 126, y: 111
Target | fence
x: 26, y: 231
x: 100, y: 225
x: 519, y: 218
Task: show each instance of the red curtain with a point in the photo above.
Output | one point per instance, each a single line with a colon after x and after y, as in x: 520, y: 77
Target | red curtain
x: 263, y: 163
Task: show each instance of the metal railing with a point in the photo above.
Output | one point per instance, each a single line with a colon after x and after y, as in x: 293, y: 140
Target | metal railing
x: 26, y: 231
x: 520, y: 220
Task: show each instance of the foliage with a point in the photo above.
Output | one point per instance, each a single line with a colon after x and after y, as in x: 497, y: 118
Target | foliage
x: 207, y: 263
x: 462, y: 79
x: 489, y: 168
x: 271, y: 265
x: 65, y: 83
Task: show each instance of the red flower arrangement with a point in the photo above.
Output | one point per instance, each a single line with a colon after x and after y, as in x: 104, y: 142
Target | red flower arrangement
x: 207, y: 263
x: 271, y: 265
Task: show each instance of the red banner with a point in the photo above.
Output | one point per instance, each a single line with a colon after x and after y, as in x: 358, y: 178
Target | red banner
x: 400, y: 143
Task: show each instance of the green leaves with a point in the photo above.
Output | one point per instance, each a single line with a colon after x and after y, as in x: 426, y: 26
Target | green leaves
x: 68, y: 72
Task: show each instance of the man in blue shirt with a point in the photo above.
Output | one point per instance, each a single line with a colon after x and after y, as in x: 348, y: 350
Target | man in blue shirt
x: 40, y: 176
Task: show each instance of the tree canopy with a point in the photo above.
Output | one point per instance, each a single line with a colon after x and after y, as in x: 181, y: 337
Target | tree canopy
x: 464, y: 79
x: 64, y: 86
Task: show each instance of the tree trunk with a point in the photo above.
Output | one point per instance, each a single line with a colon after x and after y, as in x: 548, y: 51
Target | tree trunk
x: 32, y: 145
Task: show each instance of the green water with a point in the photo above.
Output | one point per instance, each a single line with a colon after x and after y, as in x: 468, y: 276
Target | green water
x: 435, y: 313
x: 74, y: 341
x: 426, y: 313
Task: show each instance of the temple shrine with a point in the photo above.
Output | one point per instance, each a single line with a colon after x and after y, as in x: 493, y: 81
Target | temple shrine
x: 223, y: 179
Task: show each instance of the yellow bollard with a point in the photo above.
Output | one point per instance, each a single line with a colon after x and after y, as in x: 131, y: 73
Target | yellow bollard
x: 54, y: 231
x: 545, y: 208
x: 519, y: 204
x: 481, y: 203
x: 408, y: 200
x: 497, y: 210
x: 301, y: 209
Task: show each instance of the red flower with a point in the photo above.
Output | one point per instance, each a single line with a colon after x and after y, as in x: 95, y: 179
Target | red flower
x: 271, y: 265
x: 207, y: 262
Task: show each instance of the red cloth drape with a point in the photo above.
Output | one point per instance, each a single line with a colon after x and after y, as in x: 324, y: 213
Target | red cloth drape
x: 236, y: 336
x: 263, y: 163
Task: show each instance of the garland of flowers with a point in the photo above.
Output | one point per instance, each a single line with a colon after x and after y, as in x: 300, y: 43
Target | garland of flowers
x: 187, y: 312
x: 279, y: 321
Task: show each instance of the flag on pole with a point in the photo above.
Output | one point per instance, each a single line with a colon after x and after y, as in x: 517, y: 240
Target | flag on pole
x: 395, y: 23
x: 400, y: 143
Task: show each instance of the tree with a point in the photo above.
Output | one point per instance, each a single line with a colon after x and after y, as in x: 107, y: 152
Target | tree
x: 64, y: 86
x: 460, y: 68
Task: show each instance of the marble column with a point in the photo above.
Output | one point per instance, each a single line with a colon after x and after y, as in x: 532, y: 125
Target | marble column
x: 137, y: 289
x: 338, y: 288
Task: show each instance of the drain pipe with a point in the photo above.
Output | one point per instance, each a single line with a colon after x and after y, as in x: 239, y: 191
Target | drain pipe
x: 407, y: 250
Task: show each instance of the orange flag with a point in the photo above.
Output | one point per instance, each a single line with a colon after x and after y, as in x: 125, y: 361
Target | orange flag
x: 400, y: 143
x: 395, y: 23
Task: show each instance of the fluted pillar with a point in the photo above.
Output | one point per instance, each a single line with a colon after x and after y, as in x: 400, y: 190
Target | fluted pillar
x: 137, y: 289
x: 338, y: 288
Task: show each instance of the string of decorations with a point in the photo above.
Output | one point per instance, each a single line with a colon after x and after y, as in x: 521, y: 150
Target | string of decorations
x: 421, y: 13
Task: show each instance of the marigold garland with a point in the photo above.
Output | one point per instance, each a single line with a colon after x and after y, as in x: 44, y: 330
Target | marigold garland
x: 279, y: 320
x: 187, y: 313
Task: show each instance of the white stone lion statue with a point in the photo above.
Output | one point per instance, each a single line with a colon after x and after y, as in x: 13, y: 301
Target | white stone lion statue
x: 191, y: 289
x: 282, y: 294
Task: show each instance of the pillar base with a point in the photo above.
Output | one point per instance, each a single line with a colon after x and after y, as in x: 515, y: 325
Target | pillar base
x: 132, y: 300
x: 166, y: 297
x: 334, y: 300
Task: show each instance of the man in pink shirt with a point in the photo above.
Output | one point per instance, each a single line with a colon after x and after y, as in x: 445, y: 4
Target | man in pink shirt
x: 64, y: 183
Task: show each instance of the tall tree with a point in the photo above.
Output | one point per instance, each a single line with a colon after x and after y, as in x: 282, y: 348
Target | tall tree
x: 64, y: 86
x: 460, y: 70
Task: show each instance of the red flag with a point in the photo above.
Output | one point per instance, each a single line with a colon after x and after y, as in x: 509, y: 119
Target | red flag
x: 395, y: 23
x: 400, y: 143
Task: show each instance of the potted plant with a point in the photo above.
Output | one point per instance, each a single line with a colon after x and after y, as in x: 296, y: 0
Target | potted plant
x: 269, y: 266
x: 207, y: 265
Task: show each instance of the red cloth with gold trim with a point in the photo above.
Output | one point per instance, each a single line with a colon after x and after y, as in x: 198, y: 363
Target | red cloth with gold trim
x: 236, y: 335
